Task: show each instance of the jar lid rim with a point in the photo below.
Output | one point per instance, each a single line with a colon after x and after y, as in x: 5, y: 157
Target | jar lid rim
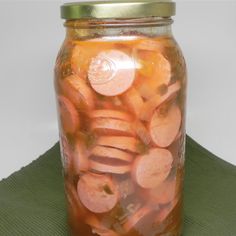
x: 117, y: 9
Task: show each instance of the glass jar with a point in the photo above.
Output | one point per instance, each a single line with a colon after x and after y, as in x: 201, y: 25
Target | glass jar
x: 120, y: 81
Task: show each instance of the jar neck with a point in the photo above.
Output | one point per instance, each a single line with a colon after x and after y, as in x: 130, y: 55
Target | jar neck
x: 151, y: 27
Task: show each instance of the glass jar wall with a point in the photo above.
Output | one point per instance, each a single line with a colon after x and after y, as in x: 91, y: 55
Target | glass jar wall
x: 120, y: 88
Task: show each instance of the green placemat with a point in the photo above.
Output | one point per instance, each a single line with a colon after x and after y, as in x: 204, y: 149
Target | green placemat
x: 32, y: 199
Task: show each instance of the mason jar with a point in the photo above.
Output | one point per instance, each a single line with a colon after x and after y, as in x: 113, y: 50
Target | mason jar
x: 120, y: 81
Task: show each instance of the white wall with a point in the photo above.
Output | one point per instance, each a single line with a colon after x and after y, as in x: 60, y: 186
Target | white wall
x: 31, y: 33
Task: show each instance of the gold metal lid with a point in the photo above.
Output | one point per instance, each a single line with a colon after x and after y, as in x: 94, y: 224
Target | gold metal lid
x: 117, y: 9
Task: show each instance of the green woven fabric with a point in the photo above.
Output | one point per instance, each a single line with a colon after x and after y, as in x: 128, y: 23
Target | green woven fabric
x: 32, y: 200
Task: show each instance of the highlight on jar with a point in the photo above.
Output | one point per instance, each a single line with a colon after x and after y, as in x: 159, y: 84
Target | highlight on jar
x: 121, y: 131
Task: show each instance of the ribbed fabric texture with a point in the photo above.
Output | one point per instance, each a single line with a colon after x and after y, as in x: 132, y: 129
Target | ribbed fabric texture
x: 32, y: 201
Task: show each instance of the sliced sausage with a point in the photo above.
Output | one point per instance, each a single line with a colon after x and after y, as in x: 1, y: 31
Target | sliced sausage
x: 121, y: 142
x: 98, y: 193
x: 68, y: 115
x: 107, y: 168
x: 165, y: 124
x: 109, y: 152
x: 76, y: 208
x: 112, y: 127
x: 106, y: 113
x: 80, y: 157
x: 111, y: 72
x: 151, y: 169
x: 77, y: 91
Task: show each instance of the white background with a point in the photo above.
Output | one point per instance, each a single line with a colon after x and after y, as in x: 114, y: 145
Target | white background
x: 31, y: 33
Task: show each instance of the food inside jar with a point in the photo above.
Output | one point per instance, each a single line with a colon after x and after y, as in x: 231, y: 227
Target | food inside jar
x: 121, y: 122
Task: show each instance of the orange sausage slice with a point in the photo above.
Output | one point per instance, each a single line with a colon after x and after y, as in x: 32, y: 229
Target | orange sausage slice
x: 120, y: 142
x: 80, y: 157
x: 111, y: 72
x: 157, y: 100
x: 112, y: 127
x: 98, y: 193
x: 165, y: 127
x: 77, y: 91
x: 106, y: 113
x: 68, y: 115
x: 136, y: 218
x: 134, y: 101
x: 109, y: 152
x: 151, y: 169
x: 106, y: 168
x: 164, y: 193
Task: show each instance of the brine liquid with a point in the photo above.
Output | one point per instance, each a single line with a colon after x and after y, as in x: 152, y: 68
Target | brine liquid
x: 121, y: 109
